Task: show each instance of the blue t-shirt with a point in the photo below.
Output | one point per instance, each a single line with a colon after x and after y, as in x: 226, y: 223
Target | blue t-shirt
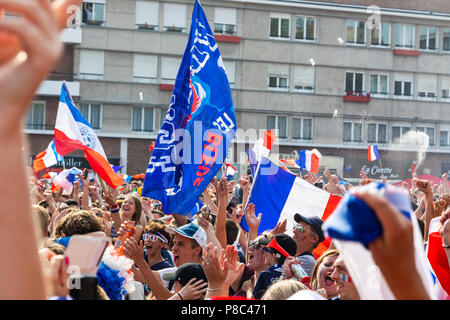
x: 161, y: 265
x: 265, y: 279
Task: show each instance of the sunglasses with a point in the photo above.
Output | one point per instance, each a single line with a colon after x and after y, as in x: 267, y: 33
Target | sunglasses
x: 153, y: 237
x: 298, y: 227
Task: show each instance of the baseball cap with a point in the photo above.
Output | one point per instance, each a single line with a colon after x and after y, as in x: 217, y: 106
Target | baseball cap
x: 314, y: 222
x: 262, y: 240
x: 283, y: 244
x: 192, y: 231
x: 185, y: 273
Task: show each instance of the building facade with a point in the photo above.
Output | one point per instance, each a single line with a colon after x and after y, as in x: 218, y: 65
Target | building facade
x: 336, y: 76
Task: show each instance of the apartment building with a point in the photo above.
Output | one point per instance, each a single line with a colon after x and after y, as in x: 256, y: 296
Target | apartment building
x: 336, y: 76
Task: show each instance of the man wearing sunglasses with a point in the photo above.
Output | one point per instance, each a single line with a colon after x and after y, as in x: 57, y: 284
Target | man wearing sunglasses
x: 279, y: 248
x: 307, y: 235
x: 155, y: 240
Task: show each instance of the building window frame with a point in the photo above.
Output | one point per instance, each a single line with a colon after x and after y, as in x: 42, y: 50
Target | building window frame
x: 302, y: 129
x: 93, y: 21
x: 280, y: 136
x: 419, y: 127
x: 355, y: 27
x: 381, y: 30
x: 354, y: 82
x: 377, y: 93
x: 403, y: 129
x: 427, y: 40
x: 377, y: 132
x: 31, y: 117
x: 402, y: 95
x: 404, y: 33
x: 141, y: 128
x: 352, y: 132
x: 88, y: 117
x: 303, y: 37
x: 279, y: 35
x: 278, y: 86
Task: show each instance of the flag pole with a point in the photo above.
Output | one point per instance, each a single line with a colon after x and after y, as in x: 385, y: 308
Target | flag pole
x: 381, y: 168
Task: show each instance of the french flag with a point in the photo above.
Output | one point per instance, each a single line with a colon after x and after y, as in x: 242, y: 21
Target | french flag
x: 66, y: 178
x: 438, y: 261
x: 262, y: 148
x: 47, y: 158
x: 309, y: 160
x: 127, y: 178
x: 373, y: 153
x: 73, y: 132
x: 228, y: 170
x: 279, y: 195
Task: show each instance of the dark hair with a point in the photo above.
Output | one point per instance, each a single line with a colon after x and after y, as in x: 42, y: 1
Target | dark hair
x: 78, y: 222
x: 71, y: 203
x: 153, y: 227
x: 137, y: 209
x: 232, y: 231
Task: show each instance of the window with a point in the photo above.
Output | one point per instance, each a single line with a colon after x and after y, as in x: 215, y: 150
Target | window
x: 278, y: 123
x: 302, y: 128
x: 92, y: 113
x: 174, y: 17
x: 280, y: 27
x: 379, y: 85
x: 93, y: 13
x: 404, y: 36
x: 147, y: 15
x: 230, y: 69
x: 427, y: 87
x: 353, y: 132
x: 92, y: 64
x: 278, y: 82
x: 376, y: 133
x: 278, y: 78
x: 403, y: 86
x: 36, y: 116
x: 356, y: 32
x: 429, y: 131
x: 143, y: 120
x: 445, y: 88
x: 444, y: 136
x: 169, y: 69
x: 145, y: 68
x: 354, y: 82
x: 446, y: 43
x: 428, y: 38
x: 398, y: 131
x: 381, y: 36
x: 225, y: 21
x: 305, y: 28
x: 304, y: 78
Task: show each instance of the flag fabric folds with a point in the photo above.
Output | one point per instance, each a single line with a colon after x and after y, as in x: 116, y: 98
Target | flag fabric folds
x: 73, y: 132
x: 47, y: 158
x: 199, y: 125
x: 353, y: 226
x: 373, y: 153
x: 228, y: 170
x: 66, y: 178
x: 262, y: 148
x: 309, y: 160
x: 437, y: 259
x: 281, y: 195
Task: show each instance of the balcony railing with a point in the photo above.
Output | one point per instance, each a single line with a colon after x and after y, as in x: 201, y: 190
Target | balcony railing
x: 351, y: 96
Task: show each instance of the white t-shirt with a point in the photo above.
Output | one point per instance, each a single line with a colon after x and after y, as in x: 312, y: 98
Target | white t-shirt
x: 163, y: 271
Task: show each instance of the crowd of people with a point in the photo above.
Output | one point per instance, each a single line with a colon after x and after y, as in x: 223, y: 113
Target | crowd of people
x: 202, y: 255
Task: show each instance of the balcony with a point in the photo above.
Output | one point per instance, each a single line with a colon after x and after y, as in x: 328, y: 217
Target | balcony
x: 72, y: 35
x: 357, y: 97
x: 52, y: 85
x: 406, y: 52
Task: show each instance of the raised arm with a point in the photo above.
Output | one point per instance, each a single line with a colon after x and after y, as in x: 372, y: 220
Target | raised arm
x: 38, y: 36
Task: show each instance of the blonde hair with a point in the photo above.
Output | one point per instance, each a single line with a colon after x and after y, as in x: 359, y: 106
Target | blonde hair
x: 283, y: 289
x: 41, y: 218
x: 314, y: 281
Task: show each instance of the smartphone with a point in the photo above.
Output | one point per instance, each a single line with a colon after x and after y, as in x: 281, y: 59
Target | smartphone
x: 85, y: 253
x: 85, y: 174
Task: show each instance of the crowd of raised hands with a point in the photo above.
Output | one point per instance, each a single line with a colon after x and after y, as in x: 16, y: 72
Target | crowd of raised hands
x: 232, y: 260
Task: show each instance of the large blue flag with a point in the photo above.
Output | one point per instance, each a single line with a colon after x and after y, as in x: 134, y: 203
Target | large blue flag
x: 199, y: 125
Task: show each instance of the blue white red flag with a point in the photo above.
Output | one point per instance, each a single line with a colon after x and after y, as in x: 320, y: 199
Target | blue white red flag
x: 281, y: 195
x: 47, y: 158
x: 373, y: 153
x: 200, y: 123
x: 309, y: 160
x: 261, y: 149
x: 228, y: 170
x: 66, y: 178
x: 73, y: 132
